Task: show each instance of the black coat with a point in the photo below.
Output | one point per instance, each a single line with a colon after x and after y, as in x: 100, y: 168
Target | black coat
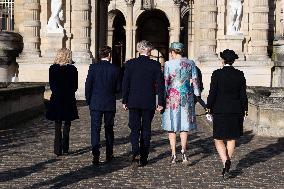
x: 63, y: 81
x: 227, y: 93
x: 102, y: 84
x: 142, y: 80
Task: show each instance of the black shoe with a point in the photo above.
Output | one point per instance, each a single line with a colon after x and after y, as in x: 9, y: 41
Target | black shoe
x: 109, y: 158
x: 143, y: 162
x: 96, y: 161
x: 226, y: 170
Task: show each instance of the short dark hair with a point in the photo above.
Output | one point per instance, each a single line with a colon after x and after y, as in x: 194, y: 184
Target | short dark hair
x: 104, y: 51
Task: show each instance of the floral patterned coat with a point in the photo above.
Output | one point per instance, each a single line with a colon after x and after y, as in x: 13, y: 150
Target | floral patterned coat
x: 181, y: 83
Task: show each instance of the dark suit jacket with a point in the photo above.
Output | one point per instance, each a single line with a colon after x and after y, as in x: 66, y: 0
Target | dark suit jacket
x: 142, y: 80
x: 63, y: 82
x: 102, y: 84
x: 227, y: 93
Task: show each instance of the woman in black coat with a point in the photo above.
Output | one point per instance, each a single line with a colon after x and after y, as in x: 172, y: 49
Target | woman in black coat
x: 228, y: 103
x: 63, y: 81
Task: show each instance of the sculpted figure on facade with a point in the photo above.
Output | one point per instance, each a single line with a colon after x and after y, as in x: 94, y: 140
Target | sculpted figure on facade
x: 54, y: 25
x: 235, y: 13
x: 147, y: 4
x: 130, y: 2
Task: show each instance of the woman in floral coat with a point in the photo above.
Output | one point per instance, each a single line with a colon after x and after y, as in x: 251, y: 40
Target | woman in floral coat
x: 180, y: 86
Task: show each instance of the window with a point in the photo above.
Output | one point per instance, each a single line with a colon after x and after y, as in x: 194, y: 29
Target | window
x: 7, y: 15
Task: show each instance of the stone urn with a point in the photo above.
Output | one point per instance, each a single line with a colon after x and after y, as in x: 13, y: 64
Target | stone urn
x: 11, y: 45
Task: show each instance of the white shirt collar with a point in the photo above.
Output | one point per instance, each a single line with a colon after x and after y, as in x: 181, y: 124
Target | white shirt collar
x: 105, y: 59
x: 227, y: 65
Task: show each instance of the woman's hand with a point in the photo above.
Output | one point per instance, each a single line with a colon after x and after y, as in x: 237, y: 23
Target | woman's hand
x: 209, y: 117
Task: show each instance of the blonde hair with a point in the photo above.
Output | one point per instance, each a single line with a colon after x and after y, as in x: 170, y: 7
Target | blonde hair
x: 63, y: 56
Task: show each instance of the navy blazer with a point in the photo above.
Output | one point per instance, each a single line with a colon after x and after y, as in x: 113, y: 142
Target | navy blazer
x: 102, y: 84
x: 141, y: 82
x: 227, y: 93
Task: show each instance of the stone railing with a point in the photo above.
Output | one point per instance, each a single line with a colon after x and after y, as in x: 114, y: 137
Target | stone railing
x: 20, y: 101
x: 266, y: 111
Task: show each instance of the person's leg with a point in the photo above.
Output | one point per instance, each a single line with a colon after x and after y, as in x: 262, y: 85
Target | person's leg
x: 96, y: 122
x: 58, y: 138
x: 183, y: 138
x: 172, y: 139
x: 66, y: 130
x: 231, y: 147
x: 222, y: 150
x: 147, y: 117
x: 109, y: 134
x: 135, y: 127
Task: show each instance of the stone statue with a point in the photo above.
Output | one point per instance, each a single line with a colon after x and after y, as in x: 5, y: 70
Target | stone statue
x: 235, y: 13
x: 54, y: 25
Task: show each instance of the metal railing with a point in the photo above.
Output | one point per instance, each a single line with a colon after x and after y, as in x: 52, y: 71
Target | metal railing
x: 7, y: 15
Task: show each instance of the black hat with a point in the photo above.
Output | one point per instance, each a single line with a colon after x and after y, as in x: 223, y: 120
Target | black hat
x: 229, y: 55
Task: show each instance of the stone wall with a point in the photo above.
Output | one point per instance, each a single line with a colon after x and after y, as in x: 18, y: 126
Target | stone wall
x: 19, y: 102
x: 266, y: 111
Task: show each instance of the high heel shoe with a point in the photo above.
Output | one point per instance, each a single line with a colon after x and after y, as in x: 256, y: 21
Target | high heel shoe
x: 226, y: 170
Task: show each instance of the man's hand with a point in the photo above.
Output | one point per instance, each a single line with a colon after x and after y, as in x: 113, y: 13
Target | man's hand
x: 125, y: 107
x: 159, y: 108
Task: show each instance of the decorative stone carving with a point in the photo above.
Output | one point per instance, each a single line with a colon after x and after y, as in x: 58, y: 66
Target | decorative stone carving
x: 178, y: 2
x: 54, y: 25
x: 130, y: 2
x: 235, y: 13
x: 147, y: 4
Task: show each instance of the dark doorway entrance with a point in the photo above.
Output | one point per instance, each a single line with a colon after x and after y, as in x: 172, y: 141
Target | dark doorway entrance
x: 119, y: 39
x: 152, y: 25
x: 184, y: 33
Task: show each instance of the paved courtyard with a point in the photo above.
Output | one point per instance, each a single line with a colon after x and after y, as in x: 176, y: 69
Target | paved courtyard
x: 27, y: 159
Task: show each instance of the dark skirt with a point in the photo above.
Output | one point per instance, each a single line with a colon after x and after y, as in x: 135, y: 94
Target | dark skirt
x: 227, y: 126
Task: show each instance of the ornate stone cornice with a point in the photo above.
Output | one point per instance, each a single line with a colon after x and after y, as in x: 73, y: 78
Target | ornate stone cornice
x: 130, y: 2
x: 178, y: 2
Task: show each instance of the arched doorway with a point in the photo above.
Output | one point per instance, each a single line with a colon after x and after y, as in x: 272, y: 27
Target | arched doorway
x: 152, y: 25
x: 117, y: 21
x: 184, y: 33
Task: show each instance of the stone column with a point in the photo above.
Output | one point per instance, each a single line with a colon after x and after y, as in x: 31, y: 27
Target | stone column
x: 80, y: 25
x: 191, y: 28
x: 258, y: 30
x: 175, y: 33
x: 134, y: 41
x: 129, y: 29
x: 94, y: 29
x: 110, y: 37
x: 208, y: 27
x: 31, y: 33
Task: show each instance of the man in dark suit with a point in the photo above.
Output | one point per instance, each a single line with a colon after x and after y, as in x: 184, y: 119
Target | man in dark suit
x: 142, y: 80
x: 102, y: 84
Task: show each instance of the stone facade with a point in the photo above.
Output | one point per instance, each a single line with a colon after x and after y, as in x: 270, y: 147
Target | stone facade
x: 201, y: 25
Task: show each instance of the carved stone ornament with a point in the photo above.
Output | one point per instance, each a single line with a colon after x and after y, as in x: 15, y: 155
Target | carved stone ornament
x: 130, y: 2
x: 147, y: 4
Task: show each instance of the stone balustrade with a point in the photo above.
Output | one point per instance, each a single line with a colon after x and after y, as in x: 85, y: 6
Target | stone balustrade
x: 20, y: 101
x: 266, y: 111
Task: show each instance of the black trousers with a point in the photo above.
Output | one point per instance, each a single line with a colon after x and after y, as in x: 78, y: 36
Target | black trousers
x: 140, y: 125
x: 96, y: 123
x: 61, y: 142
